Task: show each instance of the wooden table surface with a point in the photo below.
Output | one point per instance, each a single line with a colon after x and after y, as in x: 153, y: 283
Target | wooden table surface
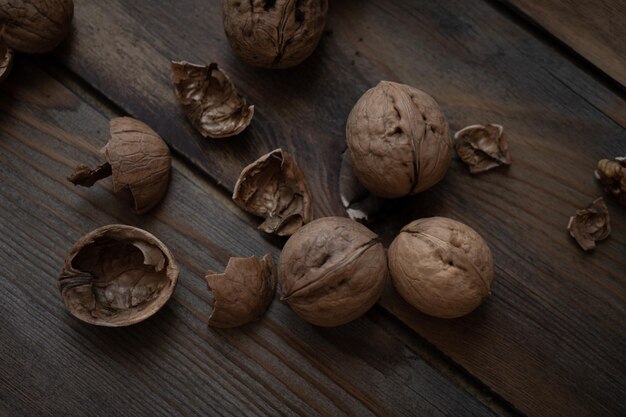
x: 550, y: 341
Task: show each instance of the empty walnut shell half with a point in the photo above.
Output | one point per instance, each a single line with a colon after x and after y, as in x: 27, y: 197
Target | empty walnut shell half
x: 442, y: 267
x: 137, y: 159
x: 332, y: 271
x: 274, y: 33
x: 612, y: 176
x: 117, y: 275
x: 273, y: 187
x: 243, y: 292
x: 482, y: 147
x: 35, y: 26
x: 210, y: 100
x: 590, y: 225
x: 6, y: 62
x: 399, y: 140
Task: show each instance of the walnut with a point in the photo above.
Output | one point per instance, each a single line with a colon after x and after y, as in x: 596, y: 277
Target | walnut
x: 273, y: 187
x: 332, y: 271
x: 6, y: 62
x: 482, y: 147
x: 210, y: 100
x: 243, y: 292
x: 274, y: 33
x: 116, y: 276
x: 137, y: 158
x: 35, y: 26
x: 442, y: 267
x: 612, y: 175
x: 398, y: 139
x: 590, y: 225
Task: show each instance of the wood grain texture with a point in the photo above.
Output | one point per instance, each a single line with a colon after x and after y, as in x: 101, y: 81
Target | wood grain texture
x: 594, y: 29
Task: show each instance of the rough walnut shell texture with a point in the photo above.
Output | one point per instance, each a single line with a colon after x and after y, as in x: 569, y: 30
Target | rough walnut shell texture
x: 399, y: 140
x: 35, y: 26
x: 612, y: 175
x: 274, y: 33
x: 482, y: 147
x: 440, y: 266
x: 6, y: 62
x: 243, y: 292
x: 273, y: 187
x: 210, y: 100
x: 116, y: 276
x: 590, y: 225
x: 332, y: 271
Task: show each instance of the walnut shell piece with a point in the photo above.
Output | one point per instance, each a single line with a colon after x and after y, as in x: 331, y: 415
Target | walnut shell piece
x: 332, y: 271
x: 482, y: 147
x: 210, y: 100
x: 612, y: 176
x: 399, y: 140
x: 117, y: 275
x: 274, y: 33
x: 273, y: 187
x: 243, y: 292
x: 442, y: 267
x: 590, y: 225
x: 138, y: 160
x: 6, y: 62
x: 35, y: 26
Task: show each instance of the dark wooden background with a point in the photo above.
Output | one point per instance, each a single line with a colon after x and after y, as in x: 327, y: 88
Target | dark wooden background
x: 550, y: 341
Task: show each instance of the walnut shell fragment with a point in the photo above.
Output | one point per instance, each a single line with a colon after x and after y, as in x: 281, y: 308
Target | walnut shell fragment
x: 243, y: 292
x: 35, y: 26
x: 442, y: 267
x: 138, y: 160
x: 612, y: 175
x: 6, y: 62
x: 482, y: 147
x: 117, y: 275
x: 274, y: 33
x: 590, y: 225
x: 273, y: 187
x: 210, y: 100
x: 332, y: 271
x: 360, y: 204
x: 399, y: 140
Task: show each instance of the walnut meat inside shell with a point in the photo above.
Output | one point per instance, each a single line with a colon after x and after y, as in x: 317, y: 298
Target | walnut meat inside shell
x: 399, y: 140
x: 612, y: 176
x: 274, y: 33
x: 117, y: 275
x: 273, y: 187
x: 6, y: 62
x: 210, y: 100
x: 243, y: 292
x: 442, y: 267
x: 35, y: 26
x: 482, y: 147
x: 332, y: 271
x: 590, y: 225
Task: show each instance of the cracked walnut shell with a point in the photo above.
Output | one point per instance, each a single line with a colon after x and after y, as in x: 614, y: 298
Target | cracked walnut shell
x: 399, y: 140
x: 6, y: 62
x: 442, y: 267
x: 210, y: 100
x: 243, y: 292
x: 590, y: 225
x: 332, y: 271
x: 482, y: 147
x: 612, y: 176
x: 137, y: 159
x: 274, y: 33
x: 117, y: 275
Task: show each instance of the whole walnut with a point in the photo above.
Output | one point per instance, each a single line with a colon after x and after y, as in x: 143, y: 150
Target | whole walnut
x: 35, y: 26
x: 442, y: 267
x: 274, y: 33
x: 332, y: 271
x: 399, y: 140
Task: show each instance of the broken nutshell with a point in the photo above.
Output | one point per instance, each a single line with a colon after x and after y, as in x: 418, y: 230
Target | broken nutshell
x: 442, y: 267
x: 6, y: 62
x: 612, y: 176
x: 590, y: 225
x: 210, y: 100
x: 399, y: 140
x: 137, y: 159
x: 360, y: 204
x: 273, y: 187
x: 243, y: 292
x: 274, y: 33
x: 117, y: 275
x: 332, y: 271
x: 482, y: 147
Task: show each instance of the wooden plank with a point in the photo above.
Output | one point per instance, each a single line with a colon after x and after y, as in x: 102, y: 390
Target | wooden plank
x: 172, y: 364
x: 594, y: 29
